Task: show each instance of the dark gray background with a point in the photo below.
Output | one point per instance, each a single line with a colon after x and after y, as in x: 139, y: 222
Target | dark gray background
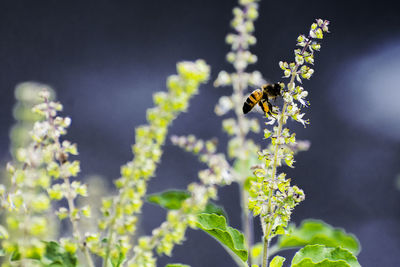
x: 106, y: 58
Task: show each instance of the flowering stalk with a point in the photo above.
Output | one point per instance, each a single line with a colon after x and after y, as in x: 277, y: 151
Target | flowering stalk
x: 25, y: 207
x: 44, y: 159
x: 239, y: 147
x: 272, y: 197
x: 60, y: 167
x: 172, y: 231
x: 121, y: 212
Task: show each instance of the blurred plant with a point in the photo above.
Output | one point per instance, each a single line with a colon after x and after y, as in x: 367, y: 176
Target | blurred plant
x: 44, y: 161
x: 41, y: 162
x: 240, y: 148
x: 27, y: 96
x: 121, y: 211
x: 186, y: 205
x: 26, y: 209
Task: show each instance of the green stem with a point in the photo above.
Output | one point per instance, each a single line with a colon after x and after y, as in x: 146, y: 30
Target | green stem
x: 265, y: 252
x: 247, y: 220
x: 75, y: 228
x: 108, y: 246
x: 70, y: 198
x: 110, y: 235
x: 274, y: 170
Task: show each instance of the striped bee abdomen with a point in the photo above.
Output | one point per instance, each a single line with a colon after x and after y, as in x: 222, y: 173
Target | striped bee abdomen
x: 252, y: 100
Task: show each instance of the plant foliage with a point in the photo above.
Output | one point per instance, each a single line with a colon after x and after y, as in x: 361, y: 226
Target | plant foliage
x: 216, y: 226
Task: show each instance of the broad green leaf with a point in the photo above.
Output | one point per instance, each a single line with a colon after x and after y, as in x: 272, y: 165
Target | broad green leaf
x: 312, y: 232
x: 215, y: 209
x: 215, y: 226
x: 56, y: 255
x: 177, y: 265
x: 322, y: 256
x: 171, y: 199
x: 277, y: 261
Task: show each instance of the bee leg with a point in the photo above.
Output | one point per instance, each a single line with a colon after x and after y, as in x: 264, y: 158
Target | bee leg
x: 271, y: 112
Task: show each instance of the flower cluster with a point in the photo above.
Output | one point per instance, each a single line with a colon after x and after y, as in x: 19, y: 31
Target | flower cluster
x: 240, y: 148
x: 120, y: 212
x: 299, y: 70
x: 271, y: 195
x: 172, y: 231
x: 27, y: 96
x: 219, y: 170
x: 20, y: 187
x: 240, y: 57
x: 44, y: 160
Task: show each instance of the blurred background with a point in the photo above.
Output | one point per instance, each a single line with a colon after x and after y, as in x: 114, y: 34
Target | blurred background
x: 105, y: 59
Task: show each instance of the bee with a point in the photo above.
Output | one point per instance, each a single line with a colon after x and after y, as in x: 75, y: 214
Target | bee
x: 262, y: 97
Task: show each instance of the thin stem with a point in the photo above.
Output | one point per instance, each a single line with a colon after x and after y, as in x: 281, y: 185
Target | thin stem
x: 247, y: 220
x: 70, y: 196
x: 109, y: 239
x: 246, y: 216
x: 274, y: 170
x: 75, y: 228
x: 281, y: 121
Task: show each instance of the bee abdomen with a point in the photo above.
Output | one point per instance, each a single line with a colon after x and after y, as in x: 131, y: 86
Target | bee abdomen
x: 247, y: 107
x: 252, y: 100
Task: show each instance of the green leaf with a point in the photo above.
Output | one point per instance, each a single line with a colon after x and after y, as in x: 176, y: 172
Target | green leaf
x: 322, y: 256
x: 56, y: 255
x: 312, y: 232
x: 215, y: 209
x: 116, y: 262
x: 277, y: 261
x: 171, y: 199
x: 215, y: 226
x: 177, y: 265
x: 16, y: 255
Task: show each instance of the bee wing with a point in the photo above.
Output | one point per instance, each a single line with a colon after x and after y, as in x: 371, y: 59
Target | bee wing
x: 257, y: 84
x: 256, y: 79
x: 259, y: 110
